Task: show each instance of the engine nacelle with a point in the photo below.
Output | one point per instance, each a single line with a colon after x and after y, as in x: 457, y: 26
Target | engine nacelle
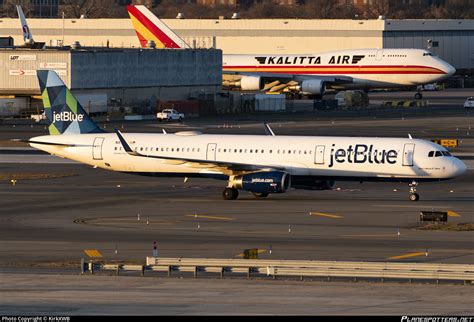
x: 313, y: 87
x: 263, y: 182
x: 313, y: 184
x: 251, y: 83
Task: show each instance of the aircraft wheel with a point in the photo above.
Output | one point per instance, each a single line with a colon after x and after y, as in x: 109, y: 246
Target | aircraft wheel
x: 260, y: 195
x: 414, y: 197
x: 418, y: 96
x: 230, y: 193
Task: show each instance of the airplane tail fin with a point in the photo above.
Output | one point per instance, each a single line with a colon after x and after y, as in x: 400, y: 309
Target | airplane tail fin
x: 64, y: 113
x: 27, y: 36
x: 150, y: 27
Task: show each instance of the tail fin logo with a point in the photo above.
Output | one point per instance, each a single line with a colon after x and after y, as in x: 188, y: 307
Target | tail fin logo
x: 66, y: 116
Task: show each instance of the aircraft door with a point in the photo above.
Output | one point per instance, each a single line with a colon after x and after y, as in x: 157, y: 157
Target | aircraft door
x: 319, y: 154
x: 408, y: 151
x: 211, y: 151
x: 97, y: 148
x: 379, y: 54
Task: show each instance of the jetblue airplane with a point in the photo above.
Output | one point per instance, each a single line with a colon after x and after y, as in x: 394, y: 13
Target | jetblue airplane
x: 261, y: 164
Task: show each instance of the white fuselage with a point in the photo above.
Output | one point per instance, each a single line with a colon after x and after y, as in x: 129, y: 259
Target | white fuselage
x: 323, y: 157
x: 369, y: 68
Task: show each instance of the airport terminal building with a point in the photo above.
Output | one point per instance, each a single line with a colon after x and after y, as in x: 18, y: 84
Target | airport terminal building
x: 452, y: 40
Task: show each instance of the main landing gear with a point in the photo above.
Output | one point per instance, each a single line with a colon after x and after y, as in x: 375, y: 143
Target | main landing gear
x: 418, y: 96
x: 413, y: 195
x: 230, y: 193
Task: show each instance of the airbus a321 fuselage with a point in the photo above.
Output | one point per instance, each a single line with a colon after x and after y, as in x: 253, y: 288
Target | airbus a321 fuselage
x: 261, y: 164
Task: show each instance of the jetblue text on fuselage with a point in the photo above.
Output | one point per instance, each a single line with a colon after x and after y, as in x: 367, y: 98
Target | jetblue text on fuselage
x: 67, y: 117
x: 362, y: 153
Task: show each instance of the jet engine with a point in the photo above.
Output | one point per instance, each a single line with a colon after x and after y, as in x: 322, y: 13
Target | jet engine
x: 313, y: 87
x: 312, y: 184
x: 263, y: 182
x: 251, y: 83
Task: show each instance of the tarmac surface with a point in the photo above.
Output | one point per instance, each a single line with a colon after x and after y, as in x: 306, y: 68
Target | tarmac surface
x: 48, y: 222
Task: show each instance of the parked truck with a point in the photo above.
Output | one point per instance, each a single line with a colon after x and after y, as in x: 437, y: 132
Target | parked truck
x: 170, y: 115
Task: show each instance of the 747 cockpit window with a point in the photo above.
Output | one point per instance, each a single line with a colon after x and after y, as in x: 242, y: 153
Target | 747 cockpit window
x: 430, y: 154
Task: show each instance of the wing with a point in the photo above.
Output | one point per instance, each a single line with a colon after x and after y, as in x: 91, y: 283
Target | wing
x: 228, y: 168
x: 277, y: 82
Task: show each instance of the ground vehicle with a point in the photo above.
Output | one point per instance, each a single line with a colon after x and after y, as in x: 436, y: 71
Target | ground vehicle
x: 170, y: 115
x: 469, y: 102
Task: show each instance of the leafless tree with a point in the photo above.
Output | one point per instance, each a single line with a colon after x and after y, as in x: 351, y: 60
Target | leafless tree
x: 88, y: 8
x: 9, y: 8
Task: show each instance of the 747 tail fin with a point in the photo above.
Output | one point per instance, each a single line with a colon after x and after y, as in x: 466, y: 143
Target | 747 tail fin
x: 64, y: 113
x: 150, y: 27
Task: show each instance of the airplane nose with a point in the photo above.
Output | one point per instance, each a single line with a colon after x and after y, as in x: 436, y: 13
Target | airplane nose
x: 449, y: 69
x: 458, y: 167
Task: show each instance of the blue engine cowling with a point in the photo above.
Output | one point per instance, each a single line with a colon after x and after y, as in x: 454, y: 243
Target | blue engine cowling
x: 264, y: 182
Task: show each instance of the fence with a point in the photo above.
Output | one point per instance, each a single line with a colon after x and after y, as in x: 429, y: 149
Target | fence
x: 327, y: 269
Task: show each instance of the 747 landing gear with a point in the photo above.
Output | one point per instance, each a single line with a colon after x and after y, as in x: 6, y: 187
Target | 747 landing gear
x: 230, y: 193
x: 418, y: 96
x: 413, y: 195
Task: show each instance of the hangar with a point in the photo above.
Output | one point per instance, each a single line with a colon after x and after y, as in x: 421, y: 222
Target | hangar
x: 105, y: 77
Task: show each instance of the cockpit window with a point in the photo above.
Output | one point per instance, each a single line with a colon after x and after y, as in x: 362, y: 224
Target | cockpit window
x: 427, y: 54
x: 438, y: 154
x: 446, y: 153
x: 430, y: 154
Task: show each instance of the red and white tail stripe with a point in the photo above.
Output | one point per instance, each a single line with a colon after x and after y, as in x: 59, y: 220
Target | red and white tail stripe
x: 149, y: 27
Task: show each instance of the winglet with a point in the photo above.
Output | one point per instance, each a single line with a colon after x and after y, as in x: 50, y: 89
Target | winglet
x: 164, y: 132
x: 124, y: 143
x: 409, y: 136
x: 268, y: 129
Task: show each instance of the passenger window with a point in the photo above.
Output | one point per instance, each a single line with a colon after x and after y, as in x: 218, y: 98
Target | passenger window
x: 270, y: 151
x: 289, y: 151
x: 430, y: 154
x: 438, y: 154
x: 240, y: 151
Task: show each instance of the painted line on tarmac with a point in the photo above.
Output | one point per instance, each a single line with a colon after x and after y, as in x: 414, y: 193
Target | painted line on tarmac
x: 259, y: 251
x: 374, y: 235
x: 325, y: 215
x: 211, y: 217
x: 409, y: 255
x: 93, y: 253
x: 453, y: 214
x: 411, y: 206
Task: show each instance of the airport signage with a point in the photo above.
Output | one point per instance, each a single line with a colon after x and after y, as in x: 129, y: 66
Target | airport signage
x: 22, y: 57
x: 53, y: 65
x: 32, y: 72
x: 22, y: 72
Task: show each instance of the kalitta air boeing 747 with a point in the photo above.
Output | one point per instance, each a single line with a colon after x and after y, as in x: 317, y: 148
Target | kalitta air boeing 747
x: 308, y: 74
x: 261, y: 164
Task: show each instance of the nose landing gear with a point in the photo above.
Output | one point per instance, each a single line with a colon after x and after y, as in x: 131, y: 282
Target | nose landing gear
x: 413, y: 195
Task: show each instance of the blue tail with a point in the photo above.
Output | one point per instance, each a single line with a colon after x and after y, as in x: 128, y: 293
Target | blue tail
x: 64, y: 113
